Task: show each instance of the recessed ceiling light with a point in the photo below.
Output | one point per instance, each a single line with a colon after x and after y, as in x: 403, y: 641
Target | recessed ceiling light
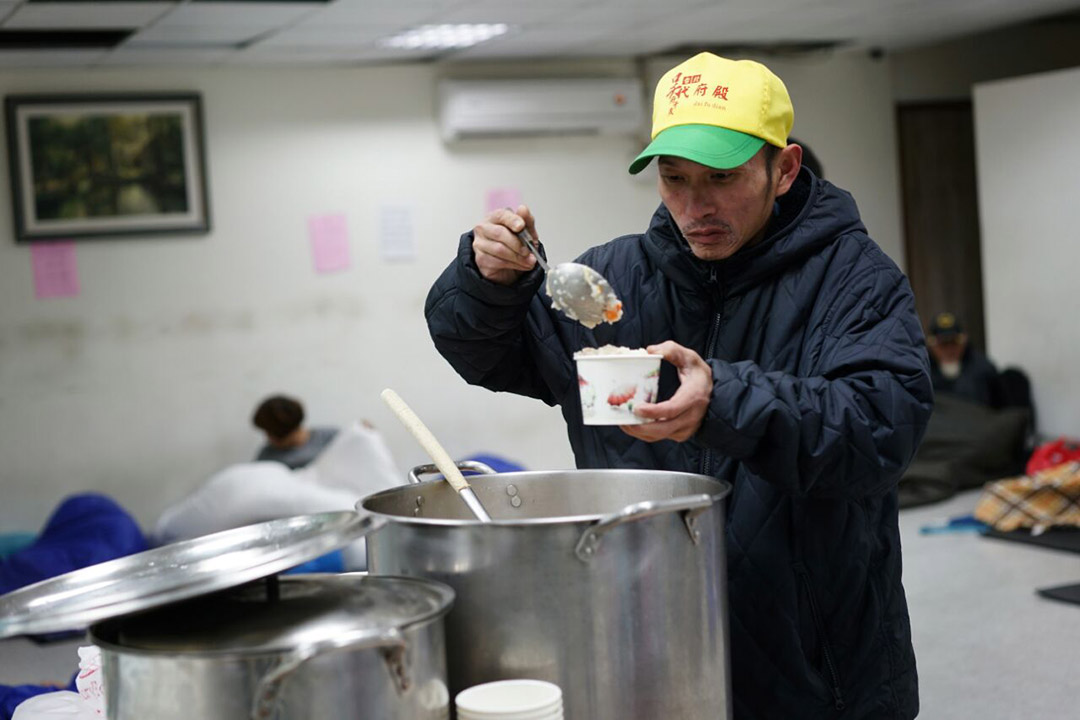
x: 439, y: 37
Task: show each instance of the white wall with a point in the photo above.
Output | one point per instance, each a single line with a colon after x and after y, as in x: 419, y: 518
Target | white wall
x: 844, y: 111
x: 143, y: 385
x: 1027, y: 157
x: 949, y: 70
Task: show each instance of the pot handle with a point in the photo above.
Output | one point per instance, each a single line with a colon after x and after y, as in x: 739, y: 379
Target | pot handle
x: 366, y: 522
x: 474, y: 465
x: 691, y: 506
x: 392, y: 643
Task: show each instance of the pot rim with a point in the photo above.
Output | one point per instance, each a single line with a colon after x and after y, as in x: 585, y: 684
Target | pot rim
x: 722, y: 492
x: 446, y: 593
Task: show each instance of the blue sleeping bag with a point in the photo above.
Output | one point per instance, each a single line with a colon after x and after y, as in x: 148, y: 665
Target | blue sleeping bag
x: 84, y: 530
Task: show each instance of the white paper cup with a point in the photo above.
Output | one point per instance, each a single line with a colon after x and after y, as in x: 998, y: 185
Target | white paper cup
x: 510, y: 700
x: 611, y: 385
x: 556, y: 714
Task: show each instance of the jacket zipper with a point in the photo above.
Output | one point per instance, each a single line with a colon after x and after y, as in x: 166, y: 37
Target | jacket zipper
x: 826, y: 651
x: 710, y: 349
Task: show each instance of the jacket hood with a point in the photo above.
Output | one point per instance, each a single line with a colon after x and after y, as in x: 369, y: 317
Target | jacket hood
x: 811, y: 215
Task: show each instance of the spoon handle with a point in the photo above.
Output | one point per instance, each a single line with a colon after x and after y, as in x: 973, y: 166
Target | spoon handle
x: 442, y: 459
x: 526, y: 238
x: 427, y: 441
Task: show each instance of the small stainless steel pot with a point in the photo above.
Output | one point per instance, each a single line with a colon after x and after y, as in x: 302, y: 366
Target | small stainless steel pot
x: 335, y: 647
x: 205, y: 629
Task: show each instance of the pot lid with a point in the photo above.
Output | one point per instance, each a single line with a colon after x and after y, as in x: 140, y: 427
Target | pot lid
x: 178, y: 571
x: 298, y: 611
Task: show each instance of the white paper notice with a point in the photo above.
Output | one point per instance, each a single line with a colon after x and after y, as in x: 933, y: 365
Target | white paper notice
x: 396, y: 239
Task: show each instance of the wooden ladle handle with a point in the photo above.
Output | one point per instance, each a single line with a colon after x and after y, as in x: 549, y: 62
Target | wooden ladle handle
x: 427, y: 441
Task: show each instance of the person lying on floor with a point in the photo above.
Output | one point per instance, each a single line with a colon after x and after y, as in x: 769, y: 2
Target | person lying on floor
x: 288, y: 440
x: 355, y: 464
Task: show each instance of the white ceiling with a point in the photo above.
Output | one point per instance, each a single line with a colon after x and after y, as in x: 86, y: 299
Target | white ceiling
x: 348, y: 31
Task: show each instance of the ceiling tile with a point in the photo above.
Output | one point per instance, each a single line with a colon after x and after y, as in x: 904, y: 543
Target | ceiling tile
x: 674, y: 6
x: 86, y: 15
x: 181, y: 35
x: 740, y: 21
x: 611, y: 16
x: 512, y: 12
x: 628, y: 43
x: 531, y: 42
x: 262, y: 15
x: 136, y: 56
x: 259, y: 54
x: 384, y: 13
x: 6, y: 8
x: 48, y: 58
x: 349, y: 30
x: 339, y: 36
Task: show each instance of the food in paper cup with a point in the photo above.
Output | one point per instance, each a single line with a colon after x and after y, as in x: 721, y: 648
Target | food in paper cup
x: 612, y: 380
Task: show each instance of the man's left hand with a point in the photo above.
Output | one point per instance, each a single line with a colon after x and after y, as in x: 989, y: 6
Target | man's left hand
x: 681, y: 416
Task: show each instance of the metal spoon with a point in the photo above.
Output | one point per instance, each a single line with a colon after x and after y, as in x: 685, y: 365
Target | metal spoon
x: 577, y: 290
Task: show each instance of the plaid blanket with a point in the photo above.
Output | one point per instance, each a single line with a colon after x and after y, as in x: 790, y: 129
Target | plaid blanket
x: 1050, y: 497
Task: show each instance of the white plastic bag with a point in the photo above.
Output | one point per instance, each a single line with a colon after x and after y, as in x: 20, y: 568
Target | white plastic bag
x: 357, y: 459
x: 89, y: 682
x: 61, y: 705
x: 86, y: 704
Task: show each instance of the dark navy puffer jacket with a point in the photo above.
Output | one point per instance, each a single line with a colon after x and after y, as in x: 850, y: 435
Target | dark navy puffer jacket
x: 821, y: 393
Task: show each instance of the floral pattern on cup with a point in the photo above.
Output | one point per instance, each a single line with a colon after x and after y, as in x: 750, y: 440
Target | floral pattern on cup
x: 588, y: 395
x: 611, y: 386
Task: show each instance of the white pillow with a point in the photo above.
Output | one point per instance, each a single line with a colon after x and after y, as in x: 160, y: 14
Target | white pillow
x: 357, y: 459
x: 356, y: 463
x: 245, y: 494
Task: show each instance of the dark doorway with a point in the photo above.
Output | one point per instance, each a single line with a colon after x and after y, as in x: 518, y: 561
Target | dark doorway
x: 941, y: 216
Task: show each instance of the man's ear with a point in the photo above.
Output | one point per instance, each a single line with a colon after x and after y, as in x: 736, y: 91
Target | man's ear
x: 788, y: 162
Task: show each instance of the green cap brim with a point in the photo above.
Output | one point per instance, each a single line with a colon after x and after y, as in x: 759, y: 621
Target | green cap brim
x: 709, y: 145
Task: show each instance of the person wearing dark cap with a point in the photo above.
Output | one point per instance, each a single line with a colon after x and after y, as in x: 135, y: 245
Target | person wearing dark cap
x: 795, y: 370
x: 287, y: 440
x: 958, y: 368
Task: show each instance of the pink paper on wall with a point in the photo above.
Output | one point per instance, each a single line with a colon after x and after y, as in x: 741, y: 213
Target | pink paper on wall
x: 329, y: 242
x: 507, y: 197
x: 56, y: 272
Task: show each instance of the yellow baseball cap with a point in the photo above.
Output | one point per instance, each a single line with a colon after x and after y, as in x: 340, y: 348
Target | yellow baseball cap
x: 717, y: 112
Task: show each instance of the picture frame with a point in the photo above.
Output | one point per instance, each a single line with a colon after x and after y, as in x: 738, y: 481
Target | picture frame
x: 92, y: 166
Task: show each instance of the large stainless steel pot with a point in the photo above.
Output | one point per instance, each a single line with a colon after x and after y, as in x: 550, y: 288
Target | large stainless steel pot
x: 205, y: 628
x: 611, y: 583
x: 337, y: 647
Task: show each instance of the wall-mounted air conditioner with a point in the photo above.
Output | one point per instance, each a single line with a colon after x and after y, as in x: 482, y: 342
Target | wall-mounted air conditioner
x: 491, y: 108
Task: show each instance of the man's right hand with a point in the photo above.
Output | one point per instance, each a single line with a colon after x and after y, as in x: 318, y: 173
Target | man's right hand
x: 500, y: 256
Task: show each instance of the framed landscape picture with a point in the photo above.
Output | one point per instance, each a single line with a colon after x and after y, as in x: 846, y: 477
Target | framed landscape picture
x: 106, y: 165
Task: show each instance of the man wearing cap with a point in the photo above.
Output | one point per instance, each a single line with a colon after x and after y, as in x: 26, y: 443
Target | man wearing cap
x: 956, y: 367
x: 796, y: 370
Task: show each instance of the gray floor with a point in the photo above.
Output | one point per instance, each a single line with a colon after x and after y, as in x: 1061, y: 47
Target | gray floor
x: 988, y: 648
x: 23, y: 662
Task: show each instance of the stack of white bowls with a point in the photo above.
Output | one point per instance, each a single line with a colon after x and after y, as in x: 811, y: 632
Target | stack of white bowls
x: 511, y: 700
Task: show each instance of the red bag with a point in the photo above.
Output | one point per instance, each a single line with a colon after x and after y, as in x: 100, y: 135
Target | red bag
x: 1052, y: 454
